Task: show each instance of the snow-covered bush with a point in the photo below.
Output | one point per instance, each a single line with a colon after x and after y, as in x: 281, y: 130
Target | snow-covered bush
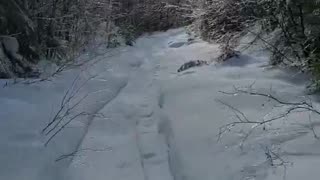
x: 299, y: 41
x: 58, y: 30
x: 149, y: 16
x: 296, y: 21
x: 223, y: 19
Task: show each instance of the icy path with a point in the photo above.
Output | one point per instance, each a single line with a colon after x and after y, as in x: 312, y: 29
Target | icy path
x: 152, y: 123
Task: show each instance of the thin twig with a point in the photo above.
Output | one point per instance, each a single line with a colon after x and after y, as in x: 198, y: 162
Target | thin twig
x: 74, y: 153
x: 292, y: 107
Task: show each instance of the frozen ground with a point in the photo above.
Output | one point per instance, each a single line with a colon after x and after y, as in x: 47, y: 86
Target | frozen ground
x: 148, y: 122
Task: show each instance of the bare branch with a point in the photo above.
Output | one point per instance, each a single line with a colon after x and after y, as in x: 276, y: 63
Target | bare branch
x: 74, y: 153
x: 291, y: 107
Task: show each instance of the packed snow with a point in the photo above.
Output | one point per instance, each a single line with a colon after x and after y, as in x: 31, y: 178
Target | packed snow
x: 144, y: 121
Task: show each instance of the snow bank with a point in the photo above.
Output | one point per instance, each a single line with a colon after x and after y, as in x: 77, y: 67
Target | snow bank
x: 26, y: 109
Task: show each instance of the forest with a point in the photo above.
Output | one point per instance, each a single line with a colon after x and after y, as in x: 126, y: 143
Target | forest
x: 159, y: 89
x: 59, y: 30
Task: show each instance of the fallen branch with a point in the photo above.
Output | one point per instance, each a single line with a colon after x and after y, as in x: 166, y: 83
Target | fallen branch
x: 74, y: 153
x: 65, y: 114
x: 292, y: 107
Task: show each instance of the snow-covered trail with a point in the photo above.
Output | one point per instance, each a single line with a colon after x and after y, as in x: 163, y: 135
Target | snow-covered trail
x: 164, y: 125
x: 152, y: 123
x: 194, y: 115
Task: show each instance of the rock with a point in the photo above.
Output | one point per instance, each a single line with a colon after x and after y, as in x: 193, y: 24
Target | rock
x: 190, y: 39
x: 228, y: 54
x: 191, y: 64
x: 5, y: 66
x: 10, y: 44
x: 12, y: 64
x: 177, y: 44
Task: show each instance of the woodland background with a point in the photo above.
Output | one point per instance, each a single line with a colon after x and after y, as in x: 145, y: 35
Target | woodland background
x: 60, y: 30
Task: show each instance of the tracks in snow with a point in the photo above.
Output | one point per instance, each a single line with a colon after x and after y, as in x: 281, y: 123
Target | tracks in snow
x: 137, y: 147
x: 152, y: 144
